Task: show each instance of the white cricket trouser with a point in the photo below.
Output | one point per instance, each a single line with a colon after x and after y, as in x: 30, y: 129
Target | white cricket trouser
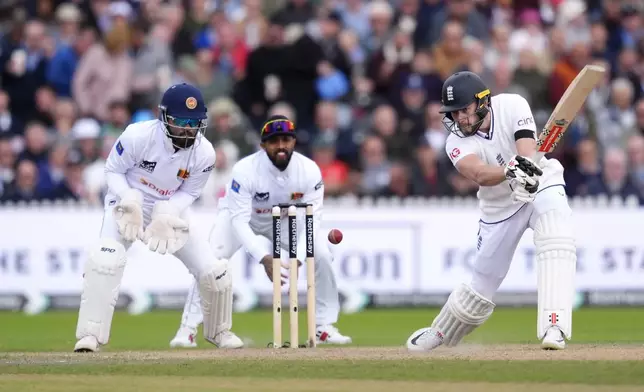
x: 498, y: 241
x: 225, y: 245
x: 191, y: 254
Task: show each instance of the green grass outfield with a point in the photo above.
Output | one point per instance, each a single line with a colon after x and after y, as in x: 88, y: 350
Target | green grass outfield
x: 607, y: 354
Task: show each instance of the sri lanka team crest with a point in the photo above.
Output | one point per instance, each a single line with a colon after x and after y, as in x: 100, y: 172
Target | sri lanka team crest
x: 183, y: 174
x: 296, y: 195
x: 191, y: 103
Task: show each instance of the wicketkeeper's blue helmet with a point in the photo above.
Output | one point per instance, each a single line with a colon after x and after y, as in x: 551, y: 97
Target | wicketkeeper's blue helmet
x: 183, y: 110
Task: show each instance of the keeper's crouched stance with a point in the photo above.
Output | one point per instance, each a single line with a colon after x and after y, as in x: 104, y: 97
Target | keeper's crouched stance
x: 154, y: 173
x: 491, y: 143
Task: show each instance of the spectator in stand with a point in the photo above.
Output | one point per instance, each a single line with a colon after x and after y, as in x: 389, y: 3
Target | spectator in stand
x: 335, y: 173
x: 11, y: 127
x: 24, y: 185
x: 639, y: 116
x: 7, y: 164
x: 587, y: 169
x: 361, y: 79
x: 23, y: 66
x: 614, y: 180
x: 636, y: 161
x: 104, y: 73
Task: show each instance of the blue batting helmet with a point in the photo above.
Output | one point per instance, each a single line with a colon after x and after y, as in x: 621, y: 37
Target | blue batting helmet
x: 183, y: 112
x: 184, y: 101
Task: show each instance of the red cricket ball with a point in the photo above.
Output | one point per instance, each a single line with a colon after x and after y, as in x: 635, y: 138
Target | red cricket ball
x: 335, y: 236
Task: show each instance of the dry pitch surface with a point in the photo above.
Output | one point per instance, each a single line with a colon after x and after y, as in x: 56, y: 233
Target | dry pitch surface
x: 506, y: 352
x: 317, y: 380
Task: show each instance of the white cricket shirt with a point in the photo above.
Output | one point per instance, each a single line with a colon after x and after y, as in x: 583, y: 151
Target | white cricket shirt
x: 510, y: 113
x: 143, y: 158
x: 257, y: 185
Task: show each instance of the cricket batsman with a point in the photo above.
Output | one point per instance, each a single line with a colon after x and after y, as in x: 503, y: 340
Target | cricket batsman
x: 274, y: 175
x: 154, y: 173
x: 493, y: 143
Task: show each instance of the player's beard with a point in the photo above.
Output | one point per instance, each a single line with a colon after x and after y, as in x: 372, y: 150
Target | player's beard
x: 180, y: 140
x: 466, y: 129
x: 281, y: 163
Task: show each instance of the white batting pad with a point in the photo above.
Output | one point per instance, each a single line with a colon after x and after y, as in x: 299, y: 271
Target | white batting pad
x: 556, y: 268
x: 101, y: 283
x: 464, y: 311
x: 215, y: 287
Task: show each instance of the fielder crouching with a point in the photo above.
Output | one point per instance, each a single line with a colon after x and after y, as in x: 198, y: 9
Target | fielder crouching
x: 492, y: 141
x: 274, y: 175
x: 155, y: 171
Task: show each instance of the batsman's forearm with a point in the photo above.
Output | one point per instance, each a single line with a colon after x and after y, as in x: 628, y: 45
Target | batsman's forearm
x: 527, y: 148
x: 249, y: 240
x: 487, y: 175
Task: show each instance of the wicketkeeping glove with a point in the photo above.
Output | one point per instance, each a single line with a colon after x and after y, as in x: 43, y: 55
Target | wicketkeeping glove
x: 128, y: 213
x: 167, y: 232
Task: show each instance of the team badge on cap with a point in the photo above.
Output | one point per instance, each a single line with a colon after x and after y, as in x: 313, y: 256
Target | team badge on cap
x: 191, y: 103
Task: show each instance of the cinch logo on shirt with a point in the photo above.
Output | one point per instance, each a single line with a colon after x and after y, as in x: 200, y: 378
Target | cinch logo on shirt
x: 162, y: 192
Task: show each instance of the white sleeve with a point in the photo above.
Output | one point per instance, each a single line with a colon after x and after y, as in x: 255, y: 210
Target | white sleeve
x: 121, y: 159
x: 457, y: 148
x: 522, y: 118
x: 314, y: 196
x: 239, y: 198
x: 192, y: 187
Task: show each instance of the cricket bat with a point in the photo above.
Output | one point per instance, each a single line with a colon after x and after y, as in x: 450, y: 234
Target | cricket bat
x: 567, y: 108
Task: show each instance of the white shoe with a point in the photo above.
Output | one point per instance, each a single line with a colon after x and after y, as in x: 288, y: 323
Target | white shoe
x: 328, y: 334
x: 226, y: 339
x: 554, y: 339
x: 425, y: 339
x: 185, y: 338
x: 88, y: 344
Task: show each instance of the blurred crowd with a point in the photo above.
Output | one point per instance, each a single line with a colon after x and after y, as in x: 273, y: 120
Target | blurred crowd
x: 360, y: 78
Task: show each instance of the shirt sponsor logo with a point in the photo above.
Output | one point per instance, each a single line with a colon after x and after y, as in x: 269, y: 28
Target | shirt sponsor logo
x: 162, y: 192
x: 261, y: 196
x: 148, y: 166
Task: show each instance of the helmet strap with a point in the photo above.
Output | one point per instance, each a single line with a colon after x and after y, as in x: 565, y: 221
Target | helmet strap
x: 483, y: 108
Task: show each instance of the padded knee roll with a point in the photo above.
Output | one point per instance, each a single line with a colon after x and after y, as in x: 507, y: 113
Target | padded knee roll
x: 556, y: 256
x: 216, y: 289
x: 464, y: 311
x: 101, y: 283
